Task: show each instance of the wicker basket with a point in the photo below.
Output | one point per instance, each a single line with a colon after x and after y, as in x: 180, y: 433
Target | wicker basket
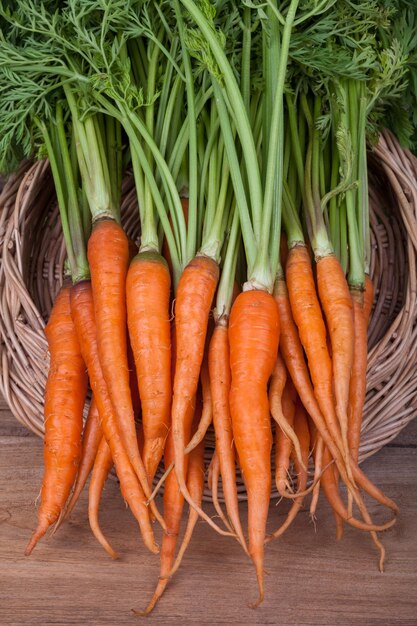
x: 32, y: 259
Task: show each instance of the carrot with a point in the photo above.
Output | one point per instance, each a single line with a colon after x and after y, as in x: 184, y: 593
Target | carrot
x: 283, y: 444
x: 133, y: 382
x: 195, y: 294
x: 65, y: 393
x: 83, y: 314
x: 357, y: 389
x: 292, y: 352
x: 318, y: 466
x: 204, y: 423
x: 102, y: 466
x: 302, y: 432
x: 92, y: 436
x: 129, y: 484
x: 362, y: 307
x: 213, y: 484
x: 173, y: 498
x: 276, y: 388
x: 148, y: 293
x: 368, y: 300
x: 338, y: 309
x: 173, y: 507
x: 331, y: 491
x: 307, y: 315
x: 220, y: 381
x: 206, y: 418
x: 195, y: 485
x: 254, y: 336
x: 108, y: 256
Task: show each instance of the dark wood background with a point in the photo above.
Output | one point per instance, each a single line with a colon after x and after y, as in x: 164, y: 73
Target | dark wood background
x: 311, y: 578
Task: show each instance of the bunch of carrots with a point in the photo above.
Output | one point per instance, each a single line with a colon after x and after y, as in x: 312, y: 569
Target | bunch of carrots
x: 246, y: 303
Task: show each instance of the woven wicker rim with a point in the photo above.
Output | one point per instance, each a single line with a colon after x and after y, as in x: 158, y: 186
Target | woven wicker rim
x: 32, y: 257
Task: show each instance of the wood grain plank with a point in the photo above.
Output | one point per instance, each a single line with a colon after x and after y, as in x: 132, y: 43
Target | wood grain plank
x: 312, y: 579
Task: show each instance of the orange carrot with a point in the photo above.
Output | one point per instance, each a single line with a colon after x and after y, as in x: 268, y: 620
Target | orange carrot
x: 318, y: 467
x: 283, y: 444
x: 133, y: 382
x: 254, y: 336
x: 292, y: 352
x: 213, y: 484
x: 92, y: 436
x: 362, y: 304
x: 65, y: 393
x: 276, y: 389
x: 331, y: 491
x: 108, y: 256
x: 307, y: 315
x: 368, y: 299
x: 195, y: 485
x: 195, y: 294
x: 204, y: 423
x: 129, y: 484
x: 173, y: 507
x: 303, y: 435
x: 102, y: 467
x: 338, y: 309
x: 207, y: 410
x: 148, y: 293
x: 358, y: 378
x: 220, y: 381
x: 82, y: 309
x: 173, y: 498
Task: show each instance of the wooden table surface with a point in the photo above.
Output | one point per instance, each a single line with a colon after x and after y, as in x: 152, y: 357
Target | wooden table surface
x: 312, y: 579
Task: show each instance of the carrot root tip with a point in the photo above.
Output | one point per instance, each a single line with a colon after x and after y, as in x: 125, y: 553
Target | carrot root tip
x: 36, y: 536
x: 313, y: 520
x: 259, y: 601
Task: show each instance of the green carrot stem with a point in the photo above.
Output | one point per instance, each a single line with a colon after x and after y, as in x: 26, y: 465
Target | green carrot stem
x: 343, y: 237
x: 113, y: 132
x: 213, y: 236
x: 264, y: 271
x: 334, y: 213
x: 275, y: 235
x: 192, y: 141
x: 241, y: 116
x: 149, y: 226
x: 59, y: 190
x: 209, y: 204
x: 314, y: 218
x: 273, y: 180
x: 236, y: 176
x: 356, y: 272
x: 167, y: 126
x: 295, y: 139
x: 363, y: 194
x: 169, y: 84
x: 245, y: 73
x: 92, y: 162
x: 290, y: 218
x: 181, y: 140
x: 81, y: 271
x: 227, y: 278
x: 136, y: 62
